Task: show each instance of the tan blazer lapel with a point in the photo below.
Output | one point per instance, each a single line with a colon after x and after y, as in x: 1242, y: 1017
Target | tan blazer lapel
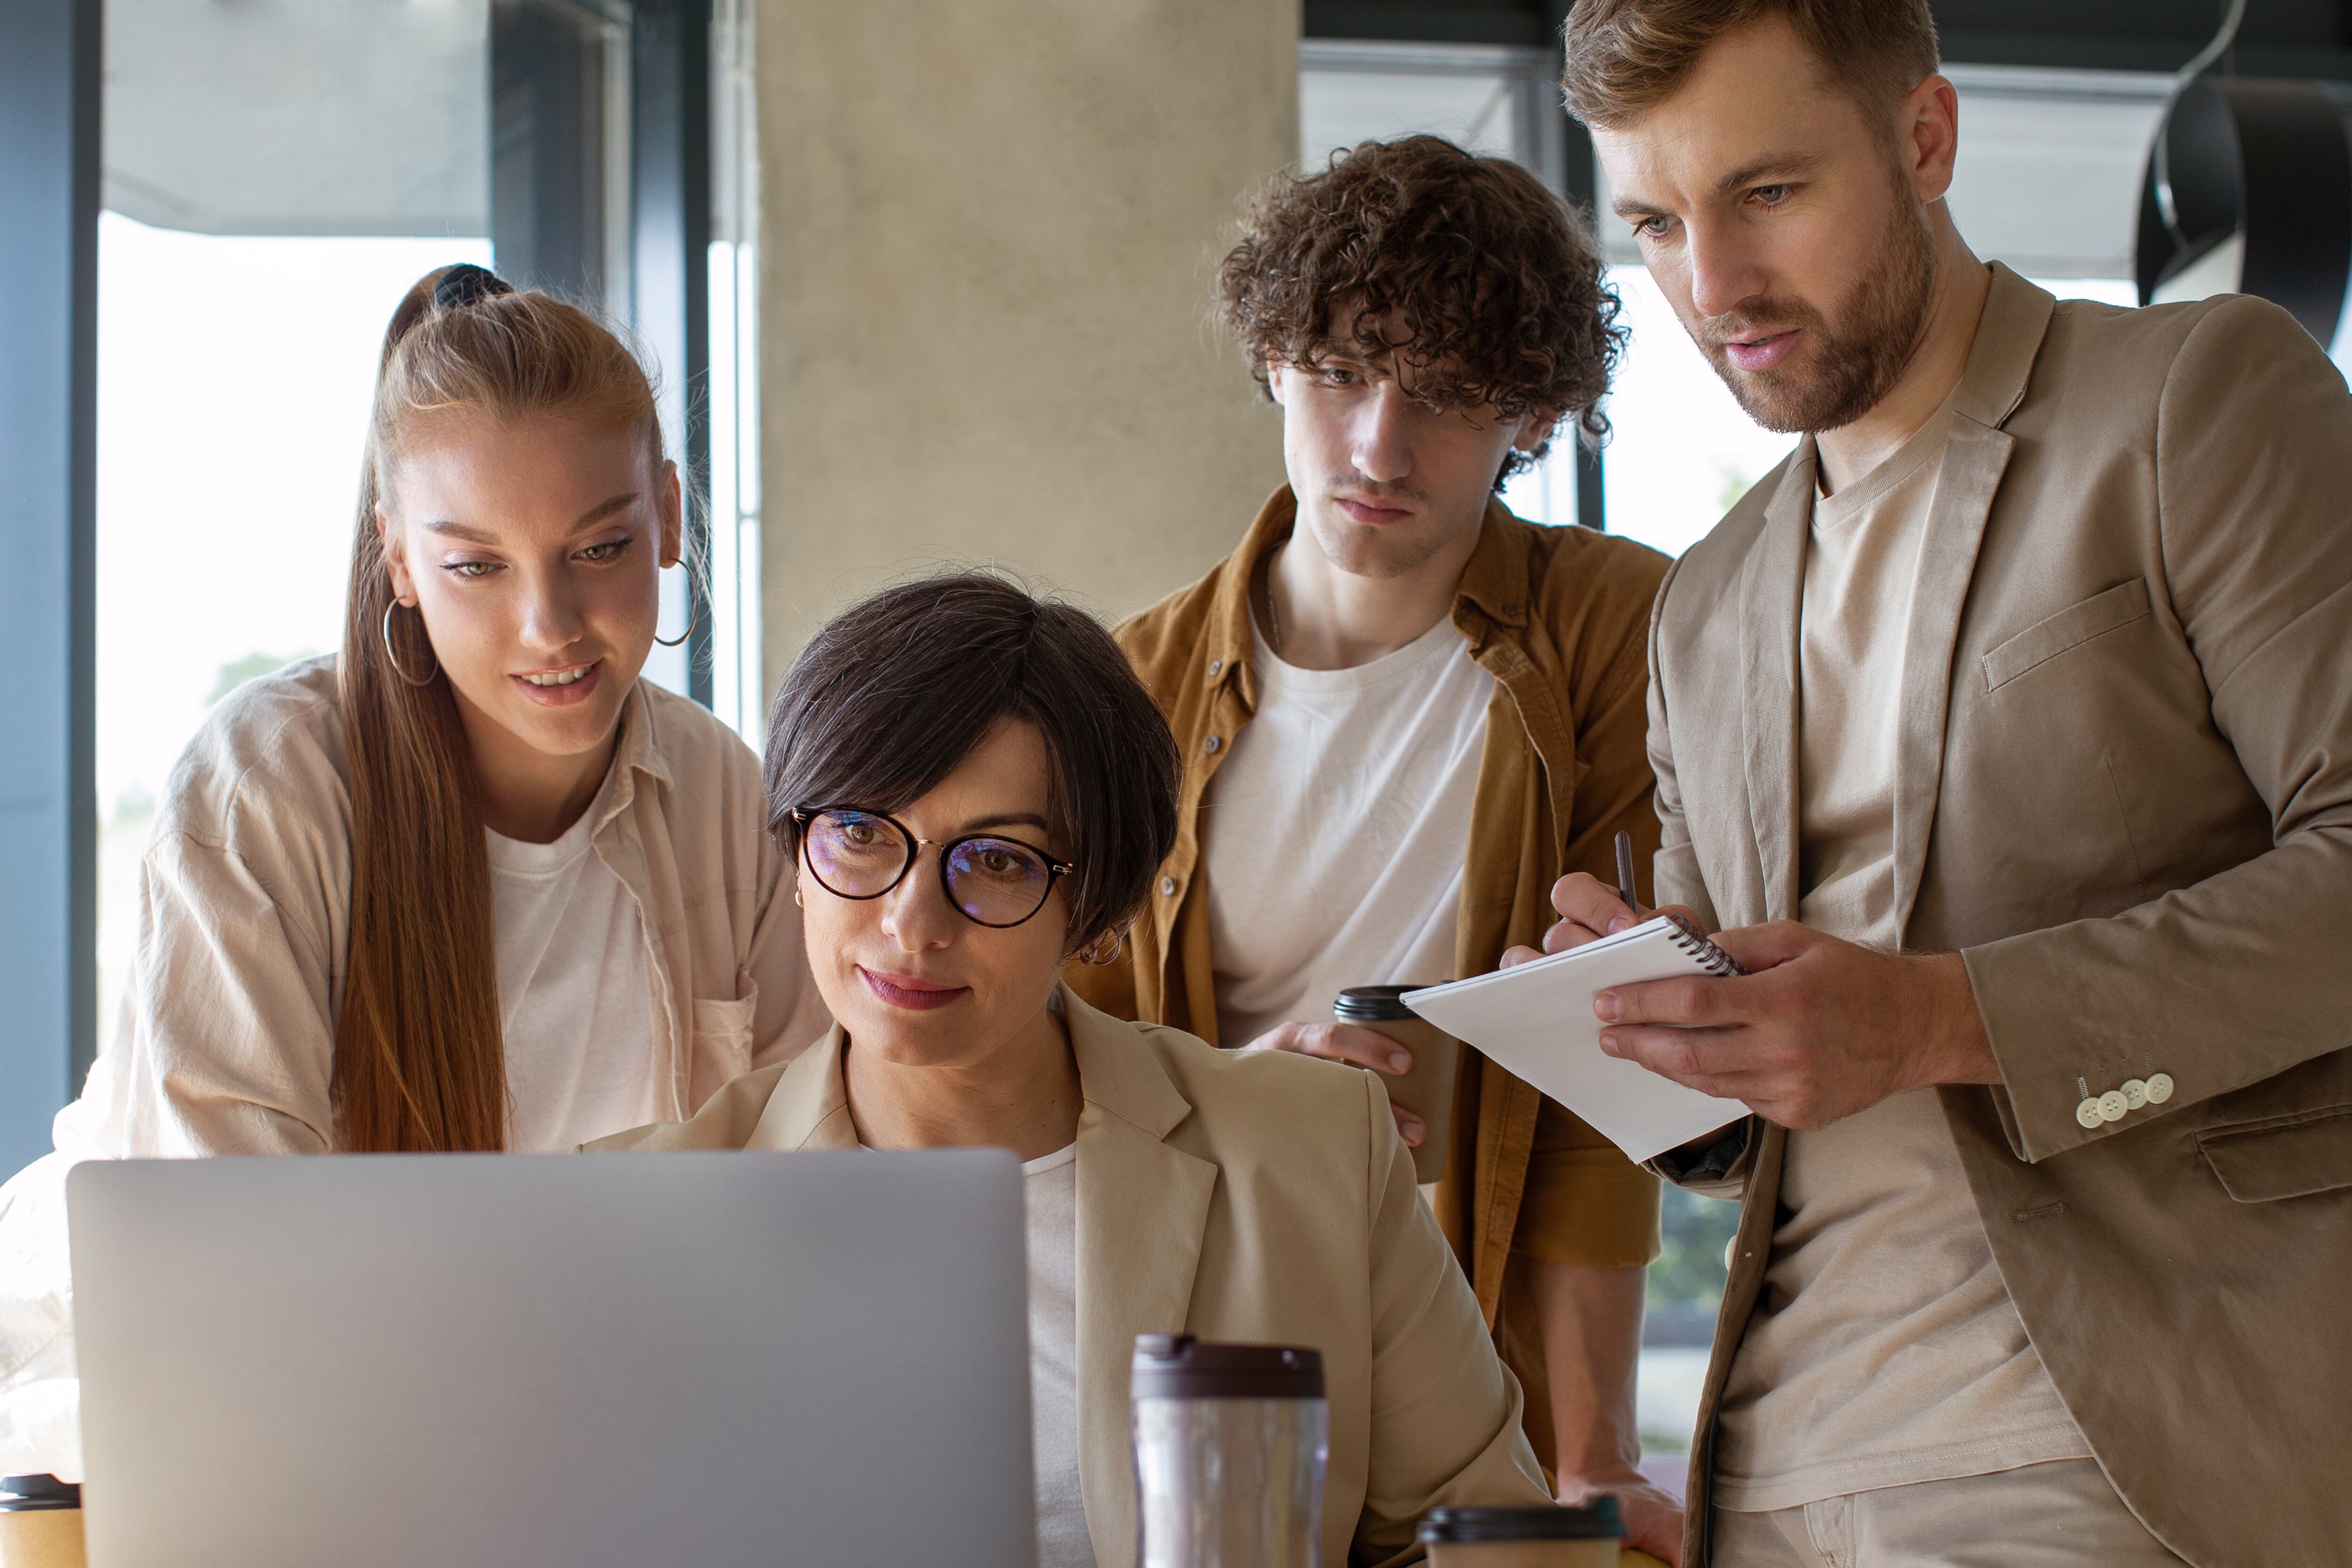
x: 1771, y: 601
x: 810, y: 1107
x: 1142, y: 1207
x: 2016, y: 316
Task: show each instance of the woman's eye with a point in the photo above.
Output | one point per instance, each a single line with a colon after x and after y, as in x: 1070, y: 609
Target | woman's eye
x: 611, y: 549
x: 471, y: 569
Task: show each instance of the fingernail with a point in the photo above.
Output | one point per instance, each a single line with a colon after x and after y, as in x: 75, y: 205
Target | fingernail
x: 1609, y: 1043
x: 1399, y: 1061
x: 1605, y: 1008
x: 1622, y: 922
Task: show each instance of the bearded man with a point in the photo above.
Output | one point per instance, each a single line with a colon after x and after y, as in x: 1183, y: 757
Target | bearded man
x: 2002, y: 732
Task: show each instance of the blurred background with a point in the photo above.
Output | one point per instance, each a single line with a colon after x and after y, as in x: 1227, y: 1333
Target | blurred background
x: 923, y: 282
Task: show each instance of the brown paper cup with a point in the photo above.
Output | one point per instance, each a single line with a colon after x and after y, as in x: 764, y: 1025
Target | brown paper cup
x: 41, y: 1538
x: 1427, y: 1088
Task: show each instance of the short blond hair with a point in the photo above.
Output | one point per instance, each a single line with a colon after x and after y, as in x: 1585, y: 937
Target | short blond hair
x: 1626, y: 57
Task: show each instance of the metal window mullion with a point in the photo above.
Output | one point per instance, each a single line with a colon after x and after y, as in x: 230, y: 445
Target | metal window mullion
x: 50, y: 57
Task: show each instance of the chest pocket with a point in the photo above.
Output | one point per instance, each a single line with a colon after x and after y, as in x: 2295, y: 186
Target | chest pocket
x: 2290, y: 1158
x: 2069, y: 630
x: 722, y: 1031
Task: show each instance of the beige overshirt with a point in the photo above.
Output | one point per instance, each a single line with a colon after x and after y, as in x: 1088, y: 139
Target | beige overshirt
x: 225, y: 1042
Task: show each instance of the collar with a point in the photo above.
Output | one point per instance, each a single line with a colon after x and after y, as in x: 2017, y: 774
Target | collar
x: 636, y: 749
x: 1117, y: 1074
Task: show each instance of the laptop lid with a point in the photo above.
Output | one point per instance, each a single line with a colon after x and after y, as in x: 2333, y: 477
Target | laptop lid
x: 624, y: 1360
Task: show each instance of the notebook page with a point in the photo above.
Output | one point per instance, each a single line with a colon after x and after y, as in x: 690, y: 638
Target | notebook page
x: 1536, y: 1021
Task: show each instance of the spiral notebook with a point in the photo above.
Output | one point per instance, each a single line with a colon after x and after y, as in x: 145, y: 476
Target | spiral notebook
x: 1536, y: 1021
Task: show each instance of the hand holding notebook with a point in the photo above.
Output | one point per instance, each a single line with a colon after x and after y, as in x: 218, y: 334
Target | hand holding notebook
x: 1537, y: 1020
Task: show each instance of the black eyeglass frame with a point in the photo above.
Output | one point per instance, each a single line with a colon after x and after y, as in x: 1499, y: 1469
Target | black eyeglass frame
x: 803, y: 816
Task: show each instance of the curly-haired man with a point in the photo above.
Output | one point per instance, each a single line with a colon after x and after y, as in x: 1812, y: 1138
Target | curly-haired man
x: 1404, y: 712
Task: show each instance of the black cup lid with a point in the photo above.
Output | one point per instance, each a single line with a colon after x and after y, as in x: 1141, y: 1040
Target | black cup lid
x: 27, y: 1494
x: 1178, y: 1366
x: 1374, y: 1004
x: 1598, y: 1521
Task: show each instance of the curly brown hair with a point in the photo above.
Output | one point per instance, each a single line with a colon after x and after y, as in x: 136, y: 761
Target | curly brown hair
x: 1496, y: 277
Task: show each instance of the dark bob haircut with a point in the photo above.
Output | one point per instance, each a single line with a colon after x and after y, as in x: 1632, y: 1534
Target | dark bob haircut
x: 894, y: 693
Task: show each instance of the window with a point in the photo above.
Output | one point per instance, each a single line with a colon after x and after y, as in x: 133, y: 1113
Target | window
x: 1495, y: 99
x: 276, y: 178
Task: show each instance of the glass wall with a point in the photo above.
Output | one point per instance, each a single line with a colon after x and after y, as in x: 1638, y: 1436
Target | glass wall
x: 276, y: 178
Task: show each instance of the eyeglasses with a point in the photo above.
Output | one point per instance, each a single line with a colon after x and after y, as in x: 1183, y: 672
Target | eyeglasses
x: 992, y: 881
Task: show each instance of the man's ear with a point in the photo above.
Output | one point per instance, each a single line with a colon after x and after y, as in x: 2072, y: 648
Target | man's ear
x: 396, y: 558
x: 1274, y: 369
x: 1535, y: 426
x: 1929, y: 137
x: 670, y: 500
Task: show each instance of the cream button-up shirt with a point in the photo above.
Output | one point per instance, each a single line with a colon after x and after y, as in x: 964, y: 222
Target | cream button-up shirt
x: 225, y: 1042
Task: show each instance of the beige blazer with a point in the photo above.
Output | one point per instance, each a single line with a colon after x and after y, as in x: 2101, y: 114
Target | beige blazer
x: 2123, y: 794
x: 1261, y: 1198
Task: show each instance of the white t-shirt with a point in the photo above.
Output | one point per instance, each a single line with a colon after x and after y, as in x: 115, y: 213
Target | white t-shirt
x: 1051, y: 1188
x: 1335, y: 832
x: 575, y: 994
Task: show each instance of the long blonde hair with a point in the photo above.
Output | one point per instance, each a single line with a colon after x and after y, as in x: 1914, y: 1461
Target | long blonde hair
x: 420, y: 1060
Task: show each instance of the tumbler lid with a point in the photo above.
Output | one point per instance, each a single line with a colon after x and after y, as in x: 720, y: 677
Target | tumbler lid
x: 31, y: 1494
x: 1374, y: 1004
x: 1598, y: 1521
x: 1178, y: 1366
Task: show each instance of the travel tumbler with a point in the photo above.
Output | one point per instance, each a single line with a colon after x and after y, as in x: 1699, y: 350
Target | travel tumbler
x: 1230, y: 1446
x: 1425, y: 1089
x: 40, y: 1523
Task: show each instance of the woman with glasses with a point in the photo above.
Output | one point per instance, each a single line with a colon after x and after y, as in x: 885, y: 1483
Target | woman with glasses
x: 976, y: 790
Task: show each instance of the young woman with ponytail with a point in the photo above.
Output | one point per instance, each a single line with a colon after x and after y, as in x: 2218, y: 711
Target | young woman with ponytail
x: 470, y: 885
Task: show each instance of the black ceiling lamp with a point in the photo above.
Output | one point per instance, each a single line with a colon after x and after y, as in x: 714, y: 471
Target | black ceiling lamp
x: 2248, y: 190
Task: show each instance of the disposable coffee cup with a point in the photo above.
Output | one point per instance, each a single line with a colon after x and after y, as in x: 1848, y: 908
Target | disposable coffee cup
x: 1426, y: 1089
x: 1524, y: 1536
x: 40, y: 1523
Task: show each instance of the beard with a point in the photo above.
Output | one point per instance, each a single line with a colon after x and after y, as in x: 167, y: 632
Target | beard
x: 1861, y: 353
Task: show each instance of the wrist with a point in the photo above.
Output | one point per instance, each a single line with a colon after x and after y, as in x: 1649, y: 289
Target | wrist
x: 1963, y: 1051
x: 1601, y: 1477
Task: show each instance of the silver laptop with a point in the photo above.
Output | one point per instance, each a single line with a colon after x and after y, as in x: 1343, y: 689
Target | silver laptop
x: 814, y: 1359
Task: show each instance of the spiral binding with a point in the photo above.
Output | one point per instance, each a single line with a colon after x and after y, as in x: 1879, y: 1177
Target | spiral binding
x: 1711, y: 958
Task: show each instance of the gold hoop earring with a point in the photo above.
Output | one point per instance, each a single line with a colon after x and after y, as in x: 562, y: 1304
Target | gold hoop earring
x: 693, y: 614
x: 1095, y: 957
x: 393, y: 655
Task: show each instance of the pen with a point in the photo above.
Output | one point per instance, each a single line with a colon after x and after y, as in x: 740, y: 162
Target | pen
x: 1625, y: 871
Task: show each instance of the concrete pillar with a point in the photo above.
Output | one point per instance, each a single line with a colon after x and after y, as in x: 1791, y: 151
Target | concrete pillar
x: 990, y: 237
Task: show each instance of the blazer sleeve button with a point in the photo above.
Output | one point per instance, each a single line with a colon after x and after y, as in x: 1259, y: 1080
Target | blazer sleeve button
x: 2089, y: 1115
x: 2159, y: 1087
x: 2134, y: 1093
x: 2113, y: 1106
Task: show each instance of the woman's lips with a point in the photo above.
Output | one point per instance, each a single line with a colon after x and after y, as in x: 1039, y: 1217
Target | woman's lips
x: 908, y: 991
x: 560, y: 696
x: 1761, y: 353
